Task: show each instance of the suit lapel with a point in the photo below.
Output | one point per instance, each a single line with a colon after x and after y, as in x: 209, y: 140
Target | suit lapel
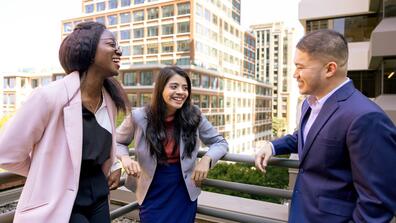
x: 73, y: 121
x: 328, y: 109
x: 304, y: 117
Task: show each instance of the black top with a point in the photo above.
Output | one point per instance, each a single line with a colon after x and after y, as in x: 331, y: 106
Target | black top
x: 97, y: 143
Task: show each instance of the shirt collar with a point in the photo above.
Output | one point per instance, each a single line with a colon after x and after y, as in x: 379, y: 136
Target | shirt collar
x: 313, y: 102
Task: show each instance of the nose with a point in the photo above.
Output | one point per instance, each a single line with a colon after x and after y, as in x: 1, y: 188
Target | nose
x: 118, y: 51
x: 296, y: 73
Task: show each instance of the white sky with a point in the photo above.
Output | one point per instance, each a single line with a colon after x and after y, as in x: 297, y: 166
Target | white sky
x: 31, y: 30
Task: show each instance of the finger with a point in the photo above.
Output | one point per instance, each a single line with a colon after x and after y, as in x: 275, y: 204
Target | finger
x: 205, y: 175
x: 258, y: 163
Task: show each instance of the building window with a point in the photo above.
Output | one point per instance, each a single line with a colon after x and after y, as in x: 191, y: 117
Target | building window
x: 89, y: 8
x: 205, y: 81
x: 34, y: 83
x: 152, y: 31
x: 100, y: 6
x: 183, y: 45
x: 183, y: 27
x: 138, y: 16
x: 130, y: 79
x: 126, y: 50
x: 167, y: 29
x: 195, y: 80
x: 138, y: 50
x: 152, y: 48
x: 167, y: 11
x: 144, y: 99
x: 183, y: 8
x: 152, y: 13
x: 214, y: 82
x: 213, y: 102
x: 389, y: 76
x: 9, y: 82
x: 125, y: 17
x: 167, y: 47
x: 137, y: 2
x: 167, y: 62
x: 133, y: 99
x: 389, y: 8
x: 195, y: 99
x: 183, y: 61
x: 199, y: 10
x: 112, y: 20
x: 146, y: 78
x: 45, y: 80
x: 67, y: 27
x: 205, y: 101
x: 125, y: 3
x: 101, y: 20
x: 138, y: 33
x: 354, y: 28
x: 207, y: 15
x: 113, y: 4
x: 125, y: 34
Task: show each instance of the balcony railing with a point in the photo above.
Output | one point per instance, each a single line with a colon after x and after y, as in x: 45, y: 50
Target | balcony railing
x: 214, y: 212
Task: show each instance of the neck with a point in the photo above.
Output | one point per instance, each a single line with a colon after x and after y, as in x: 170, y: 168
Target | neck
x: 331, y: 86
x: 91, y: 85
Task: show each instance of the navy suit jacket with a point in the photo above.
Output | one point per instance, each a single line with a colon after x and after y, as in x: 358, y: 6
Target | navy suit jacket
x: 347, y: 163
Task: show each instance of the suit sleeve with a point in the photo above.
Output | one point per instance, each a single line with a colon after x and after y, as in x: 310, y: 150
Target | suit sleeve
x: 218, y: 146
x: 287, y: 144
x: 22, y: 132
x: 124, y: 136
x: 371, y: 141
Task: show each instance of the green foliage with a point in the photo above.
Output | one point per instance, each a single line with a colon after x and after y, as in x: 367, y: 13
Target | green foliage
x: 275, y: 177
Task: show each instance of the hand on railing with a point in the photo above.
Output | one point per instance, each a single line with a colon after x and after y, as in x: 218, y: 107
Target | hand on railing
x: 263, y: 155
x: 201, y: 170
x: 114, y: 179
x: 131, y: 167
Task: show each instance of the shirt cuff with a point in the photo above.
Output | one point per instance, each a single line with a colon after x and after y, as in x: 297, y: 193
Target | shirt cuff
x: 116, y: 165
x: 273, y: 149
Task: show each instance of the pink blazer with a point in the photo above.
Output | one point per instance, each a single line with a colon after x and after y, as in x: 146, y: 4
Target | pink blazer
x: 43, y: 142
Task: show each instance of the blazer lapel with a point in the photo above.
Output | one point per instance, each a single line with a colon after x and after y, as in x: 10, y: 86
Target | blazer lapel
x: 73, y: 121
x: 303, y: 120
x: 328, y: 109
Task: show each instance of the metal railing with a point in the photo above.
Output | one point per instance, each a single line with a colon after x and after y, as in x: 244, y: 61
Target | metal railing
x: 224, y: 214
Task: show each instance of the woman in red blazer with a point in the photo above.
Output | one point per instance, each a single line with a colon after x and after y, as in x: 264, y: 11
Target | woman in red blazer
x: 62, y: 138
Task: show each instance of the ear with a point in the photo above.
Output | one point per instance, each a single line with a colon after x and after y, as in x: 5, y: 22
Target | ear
x: 331, y: 69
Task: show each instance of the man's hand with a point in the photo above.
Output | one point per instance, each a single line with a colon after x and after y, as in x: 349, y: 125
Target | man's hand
x: 131, y: 167
x: 201, y: 170
x: 263, y: 155
x: 114, y: 179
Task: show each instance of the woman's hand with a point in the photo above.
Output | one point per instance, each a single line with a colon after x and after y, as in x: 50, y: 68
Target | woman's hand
x: 114, y: 179
x: 131, y: 167
x: 201, y: 170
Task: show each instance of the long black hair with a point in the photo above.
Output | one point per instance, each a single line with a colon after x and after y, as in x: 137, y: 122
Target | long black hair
x: 77, y: 53
x: 186, y: 119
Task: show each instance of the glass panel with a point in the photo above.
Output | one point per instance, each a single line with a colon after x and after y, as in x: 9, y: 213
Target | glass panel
x: 100, y: 6
x: 125, y: 17
x: 138, y: 16
x: 125, y: 3
x: 167, y: 11
x: 152, y: 31
x: 146, y: 78
x: 113, y: 4
x: 112, y: 20
x: 183, y: 8
x: 130, y: 79
x: 152, y: 13
x: 89, y: 8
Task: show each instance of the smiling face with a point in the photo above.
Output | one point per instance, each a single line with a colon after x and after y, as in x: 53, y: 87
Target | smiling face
x: 107, y: 57
x: 310, y: 74
x: 175, y: 93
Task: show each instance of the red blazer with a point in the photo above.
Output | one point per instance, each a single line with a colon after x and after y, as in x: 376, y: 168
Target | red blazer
x: 43, y: 142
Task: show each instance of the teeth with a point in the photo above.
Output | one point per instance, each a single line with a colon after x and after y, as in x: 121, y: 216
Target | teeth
x: 116, y: 60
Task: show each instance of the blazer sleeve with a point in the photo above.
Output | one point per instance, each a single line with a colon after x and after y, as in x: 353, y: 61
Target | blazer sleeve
x: 286, y: 144
x: 22, y: 132
x: 209, y: 136
x: 371, y: 141
x: 124, y: 136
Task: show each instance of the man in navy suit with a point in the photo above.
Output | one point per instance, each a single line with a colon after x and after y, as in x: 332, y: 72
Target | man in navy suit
x: 345, y: 142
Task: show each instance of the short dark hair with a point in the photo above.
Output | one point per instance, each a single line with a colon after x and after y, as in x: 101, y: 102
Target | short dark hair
x: 77, y: 52
x: 78, y: 49
x: 186, y: 120
x: 325, y: 43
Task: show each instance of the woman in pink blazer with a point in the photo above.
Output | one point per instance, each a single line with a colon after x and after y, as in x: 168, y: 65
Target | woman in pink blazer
x: 62, y: 138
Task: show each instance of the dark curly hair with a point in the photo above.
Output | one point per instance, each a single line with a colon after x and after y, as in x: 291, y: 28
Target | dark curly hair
x: 186, y: 120
x: 77, y: 53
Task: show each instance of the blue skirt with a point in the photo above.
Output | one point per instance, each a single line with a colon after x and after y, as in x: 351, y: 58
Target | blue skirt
x: 167, y: 199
